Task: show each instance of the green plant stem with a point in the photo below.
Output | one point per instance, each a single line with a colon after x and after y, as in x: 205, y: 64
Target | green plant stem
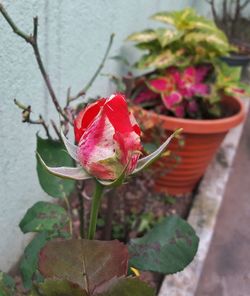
x: 94, y: 209
x: 69, y: 213
x: 81, y: 209
x: 109, y: 215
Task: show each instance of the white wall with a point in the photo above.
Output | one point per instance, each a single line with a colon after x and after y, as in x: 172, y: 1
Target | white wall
x: 205, y: 9
x: 73, y: 36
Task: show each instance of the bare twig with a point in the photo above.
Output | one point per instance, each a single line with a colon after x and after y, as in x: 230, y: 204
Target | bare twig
x: 91, y: 81
x: 215, y: 16
x: 56, y: 130
x: 16, y: 30
x: 244, y: 4
x: 26, y: 117
x: 235, y: 18
x: 45, y: 126
x: 20, y: 105
x: 32, y: 40
x: 225, y: 17
x: 35, y: 28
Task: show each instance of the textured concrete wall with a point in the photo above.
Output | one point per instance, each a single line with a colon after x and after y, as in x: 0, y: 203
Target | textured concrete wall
x: 73, y: 36
x: 204, y: 8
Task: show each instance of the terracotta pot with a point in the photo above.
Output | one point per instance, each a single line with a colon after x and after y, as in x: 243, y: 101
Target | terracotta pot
x: 201, y: 139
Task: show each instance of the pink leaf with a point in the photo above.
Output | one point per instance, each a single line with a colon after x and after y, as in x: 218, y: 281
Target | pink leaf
x: 145, y: 95
x: 179, y: 111
x: 161, y: 84
x: 172, y: 99
x: 192, y: 106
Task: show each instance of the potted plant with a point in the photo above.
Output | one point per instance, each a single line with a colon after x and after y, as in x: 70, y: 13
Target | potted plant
x: 188, y: 87
x: 231, y: 20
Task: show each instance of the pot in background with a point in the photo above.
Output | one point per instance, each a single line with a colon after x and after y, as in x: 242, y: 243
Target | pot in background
x: 186, y: 164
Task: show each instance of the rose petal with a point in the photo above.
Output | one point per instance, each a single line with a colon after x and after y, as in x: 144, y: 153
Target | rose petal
x: 110, y: 140
x: 116, y: 109
x: 96, y: 145
x: 128, y: 148
x: 134, y: 123
x: 85, y: 118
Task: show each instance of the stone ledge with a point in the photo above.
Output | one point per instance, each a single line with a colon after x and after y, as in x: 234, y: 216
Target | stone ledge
x: 203, y: 215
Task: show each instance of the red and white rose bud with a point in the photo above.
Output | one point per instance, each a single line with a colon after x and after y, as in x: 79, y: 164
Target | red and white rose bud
x: 108, y: 138
x: 108, y: 144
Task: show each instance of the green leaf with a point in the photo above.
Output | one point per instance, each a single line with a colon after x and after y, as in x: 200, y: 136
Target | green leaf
x: 165, y: 17
x: 187, y: 20
x: 166, y: 36
x: 54, y: 154
x: 7, y: 285
x: 129, y: 287
x: 144, y: 36
x: 122, y: 287
x: 121, y: 59
x: 163, y: 59
x: 153, y: 46
x: 44, y: 216
x: 213, y: 40
x: 148, y: 160
x: 58, y: 288
x: 145, y: 61
x: 168, y: 248
x: 87, y: 263
x: 29, y: 261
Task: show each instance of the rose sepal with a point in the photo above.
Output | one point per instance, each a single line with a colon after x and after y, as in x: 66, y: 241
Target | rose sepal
x: 78, y: 173
x: 74, y: 173
x: 71, y: 148
x: 120, y: 180
x: 149, y: 159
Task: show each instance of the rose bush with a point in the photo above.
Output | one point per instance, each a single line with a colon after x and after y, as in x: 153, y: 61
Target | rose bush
x: 108, y: 149
x: 108, y: 138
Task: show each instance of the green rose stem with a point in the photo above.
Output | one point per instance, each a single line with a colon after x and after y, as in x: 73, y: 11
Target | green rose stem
x: 94, y: 209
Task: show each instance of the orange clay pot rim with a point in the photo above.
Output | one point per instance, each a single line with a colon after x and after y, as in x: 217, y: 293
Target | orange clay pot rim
x: 203, y: 126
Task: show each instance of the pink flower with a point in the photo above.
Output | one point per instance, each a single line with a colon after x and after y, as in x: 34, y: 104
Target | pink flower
x: 108, y: 138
